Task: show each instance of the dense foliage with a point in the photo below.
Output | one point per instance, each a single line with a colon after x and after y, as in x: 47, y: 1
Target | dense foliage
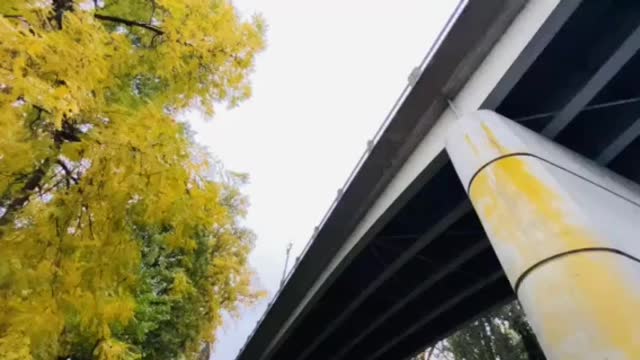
x: 119, y: 239
x: 502, y: 334
x: 497, y: 335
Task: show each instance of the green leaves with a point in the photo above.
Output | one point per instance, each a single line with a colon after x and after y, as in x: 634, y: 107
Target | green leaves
x: 501, y: 334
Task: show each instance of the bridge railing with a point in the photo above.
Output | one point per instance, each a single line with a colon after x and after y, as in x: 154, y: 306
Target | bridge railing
x: 412, y: 79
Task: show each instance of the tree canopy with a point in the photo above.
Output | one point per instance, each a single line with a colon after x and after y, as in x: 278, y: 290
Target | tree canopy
x: 120, y: 239
x: 502, y: 334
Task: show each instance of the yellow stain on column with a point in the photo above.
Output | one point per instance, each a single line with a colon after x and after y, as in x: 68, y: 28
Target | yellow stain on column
x: 473, y: 147
x: 493, y: 140
x: 523, y: 214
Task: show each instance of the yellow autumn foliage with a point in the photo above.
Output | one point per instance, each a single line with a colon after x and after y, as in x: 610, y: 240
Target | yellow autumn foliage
x: 117, y: 233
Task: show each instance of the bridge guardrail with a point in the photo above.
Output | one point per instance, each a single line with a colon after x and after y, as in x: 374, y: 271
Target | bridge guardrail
x: 412, y: 79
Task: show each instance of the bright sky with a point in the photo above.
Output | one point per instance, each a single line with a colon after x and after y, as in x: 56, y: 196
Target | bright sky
x: 330, y: 74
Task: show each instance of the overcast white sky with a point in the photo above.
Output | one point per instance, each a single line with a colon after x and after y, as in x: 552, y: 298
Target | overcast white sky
x: 330, y: 74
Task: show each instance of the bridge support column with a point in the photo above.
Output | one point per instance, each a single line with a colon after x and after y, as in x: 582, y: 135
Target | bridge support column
x: 566, y: 231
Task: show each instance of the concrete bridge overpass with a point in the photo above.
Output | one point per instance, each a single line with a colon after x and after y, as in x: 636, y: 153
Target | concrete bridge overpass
x: 402, y: 259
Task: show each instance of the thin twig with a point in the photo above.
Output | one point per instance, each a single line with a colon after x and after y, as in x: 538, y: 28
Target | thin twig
x: 55, y: 185
x: 118, y: 20
x: 430, y: 352
x: 86, y: 208
x: 153, y: 10
x: 67, y: 170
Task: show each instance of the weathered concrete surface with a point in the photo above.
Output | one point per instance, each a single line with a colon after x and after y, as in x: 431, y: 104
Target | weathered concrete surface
x: 565, y: 231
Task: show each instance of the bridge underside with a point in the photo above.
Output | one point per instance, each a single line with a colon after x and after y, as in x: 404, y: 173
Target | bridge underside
x: 430, y: 268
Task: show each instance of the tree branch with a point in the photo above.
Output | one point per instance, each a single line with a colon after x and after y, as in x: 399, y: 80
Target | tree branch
x: 23, y: 20
x: 68, y: 133
x: 153, y: 10
x: 48, y: 189
x: 67, y: 170
x: 32, y: 182
x: 85, y: 206
x: 127, y: 22
x: 59, y: 8
x: 430, y: 353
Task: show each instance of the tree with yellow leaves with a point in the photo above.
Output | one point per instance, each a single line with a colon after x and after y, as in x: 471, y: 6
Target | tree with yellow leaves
x: 119, y: 238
